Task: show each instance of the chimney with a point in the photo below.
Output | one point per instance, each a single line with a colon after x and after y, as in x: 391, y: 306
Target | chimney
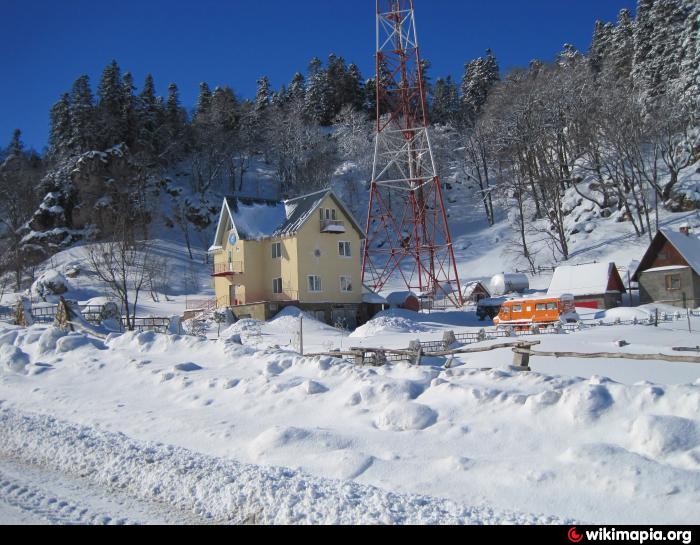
x: 685, y: 230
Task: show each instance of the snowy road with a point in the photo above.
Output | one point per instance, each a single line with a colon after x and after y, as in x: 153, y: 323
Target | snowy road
x: 30, y: 495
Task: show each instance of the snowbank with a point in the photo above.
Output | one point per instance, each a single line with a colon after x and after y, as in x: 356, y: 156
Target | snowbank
x: 223, y: 490
x: 50, y: 285
x: 469, y: 435
x: 391, y: 321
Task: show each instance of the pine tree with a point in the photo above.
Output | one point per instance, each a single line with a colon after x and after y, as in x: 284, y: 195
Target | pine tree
x: 355, y: 88
x: 690, y: 44
x: 601, y: 46
x: 479, y: 78
x: 445, y: 104
x: 622, y: 53
x: 60, y: 132
x: 174, y: 113
x: 263, y: 94
x: 297, y: 87
x: 82, y: 115
x: 16, y: 146
x: 224, y: 109
x: 128, y: 113
x: 148, y: 114
x: 203, y: 103
x: 318, y: 106
x: 110, y: 107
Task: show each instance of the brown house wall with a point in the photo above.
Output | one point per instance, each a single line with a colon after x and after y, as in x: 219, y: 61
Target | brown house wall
x: 667, y: 256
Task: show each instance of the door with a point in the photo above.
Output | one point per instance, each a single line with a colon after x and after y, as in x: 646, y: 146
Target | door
x: 233, y: 301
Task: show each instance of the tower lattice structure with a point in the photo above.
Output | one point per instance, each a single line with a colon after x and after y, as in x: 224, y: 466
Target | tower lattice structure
x: 407, y: 225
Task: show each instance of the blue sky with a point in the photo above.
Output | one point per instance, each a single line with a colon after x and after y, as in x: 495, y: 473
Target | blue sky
x: 46, y: 44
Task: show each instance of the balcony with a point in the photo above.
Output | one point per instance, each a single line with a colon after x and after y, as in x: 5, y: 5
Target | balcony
x: 227, y: 269
x: 289, y: 296
x: 332, y: 226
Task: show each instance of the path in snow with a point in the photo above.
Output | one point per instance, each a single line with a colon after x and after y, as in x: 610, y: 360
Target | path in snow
x: 115, y: 470
x: 33, y: 495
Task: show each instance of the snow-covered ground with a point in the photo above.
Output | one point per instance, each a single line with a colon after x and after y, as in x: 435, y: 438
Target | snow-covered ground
x: 562, y: 441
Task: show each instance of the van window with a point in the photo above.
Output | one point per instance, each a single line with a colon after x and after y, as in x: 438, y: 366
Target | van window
x: 541, y: 306
x: 552, y: 306
x: 517, y: 308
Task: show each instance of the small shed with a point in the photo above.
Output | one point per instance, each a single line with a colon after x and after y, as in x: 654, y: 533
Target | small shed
x: 670, y: 270
x: 595, y: 285
x: 474, y: 292
x: 404, y: 299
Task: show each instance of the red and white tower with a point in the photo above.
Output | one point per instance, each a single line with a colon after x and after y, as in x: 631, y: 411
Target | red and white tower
x: 407, y: 230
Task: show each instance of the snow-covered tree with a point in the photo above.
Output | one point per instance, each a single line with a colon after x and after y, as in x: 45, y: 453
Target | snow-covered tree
x: 82, y: 114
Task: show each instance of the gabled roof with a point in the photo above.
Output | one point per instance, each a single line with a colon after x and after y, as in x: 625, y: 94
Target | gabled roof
x: 299, y: 211
x: 470, y: 287
x: 258, y: 219
x: 584, y: 280
x: 688, y: 246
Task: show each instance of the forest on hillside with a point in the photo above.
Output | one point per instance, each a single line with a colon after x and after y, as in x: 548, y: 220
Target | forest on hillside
x: 618, y: 124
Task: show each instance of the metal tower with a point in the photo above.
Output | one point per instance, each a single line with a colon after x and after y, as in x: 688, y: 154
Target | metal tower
x: 407, y: 231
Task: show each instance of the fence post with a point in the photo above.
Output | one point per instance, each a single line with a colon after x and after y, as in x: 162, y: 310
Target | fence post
x: 301, y: 334
x: 448, y: 339
x: 521, y: 360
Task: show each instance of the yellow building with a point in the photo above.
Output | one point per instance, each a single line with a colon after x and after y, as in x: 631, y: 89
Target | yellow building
x: 305, y: 252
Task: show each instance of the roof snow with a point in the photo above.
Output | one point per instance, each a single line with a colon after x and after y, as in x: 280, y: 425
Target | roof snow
x: 470, y: 287
x: 256, y: 219
x: 298, y: 211
x: 687, y: 245
x: 592, y: 279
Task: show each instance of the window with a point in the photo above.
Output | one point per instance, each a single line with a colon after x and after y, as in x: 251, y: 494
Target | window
x: 673, y: 282
x: 314, y: 284
x: 276, y: 250
x: 277, y: 286
x: 345, y: 249
x: 346, y: 284
x: 541, y: 307
x: 517, y: 308
x: 329, y: 214
x: 552, y: 306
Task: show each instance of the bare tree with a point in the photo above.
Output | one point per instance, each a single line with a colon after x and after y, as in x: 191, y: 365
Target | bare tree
x: 124, y: 265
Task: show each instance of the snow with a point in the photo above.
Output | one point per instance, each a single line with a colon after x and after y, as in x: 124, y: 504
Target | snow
x: 218, y: 490
x: 669, y: 268
x: 390, y: 321
x: 258, y: 221
x: 399, y: 298
x: 434, y: 440
x: 687, y: 245
x: 582, y: 280
x: 49, y: 285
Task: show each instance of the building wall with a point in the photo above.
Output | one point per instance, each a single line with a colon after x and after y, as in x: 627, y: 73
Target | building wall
x: 309, y: 252
x: 318, y: 255
x: 652, y: 287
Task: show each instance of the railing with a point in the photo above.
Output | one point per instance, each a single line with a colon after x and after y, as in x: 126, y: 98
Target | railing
x: 286, y: 297
x: 332, y: 226
x: 7, y: 314
x: 44, y: 314
x: 157, y: 325
x: 226, y: 268
x: 200, y: 304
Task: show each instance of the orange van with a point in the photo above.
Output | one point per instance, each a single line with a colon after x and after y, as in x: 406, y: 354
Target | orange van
x: 542, y: 311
